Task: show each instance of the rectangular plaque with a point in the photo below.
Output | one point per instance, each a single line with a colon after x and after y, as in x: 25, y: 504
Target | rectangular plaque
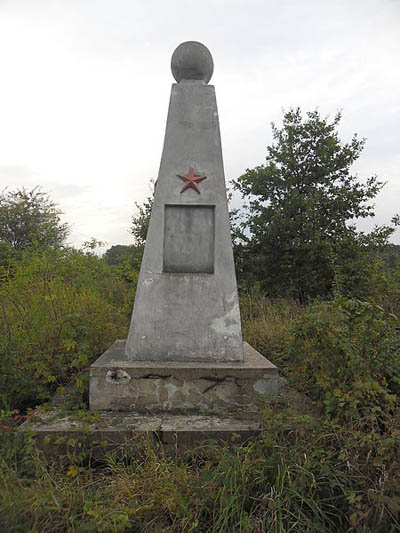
x: 189, y: 239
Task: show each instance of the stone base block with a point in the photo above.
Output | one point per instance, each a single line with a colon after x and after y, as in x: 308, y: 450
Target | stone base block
x: 58, y: 433
x: 119, y: 384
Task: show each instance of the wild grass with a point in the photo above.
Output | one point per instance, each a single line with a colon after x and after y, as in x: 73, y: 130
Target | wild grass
x: 266, y: 325
x: 303, y: 475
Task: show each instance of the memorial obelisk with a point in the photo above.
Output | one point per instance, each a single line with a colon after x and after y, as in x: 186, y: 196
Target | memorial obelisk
x: 186, y: 306
x: 184, y: 350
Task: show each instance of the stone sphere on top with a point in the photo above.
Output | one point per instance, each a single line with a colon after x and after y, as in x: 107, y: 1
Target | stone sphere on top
x: 192, y: 61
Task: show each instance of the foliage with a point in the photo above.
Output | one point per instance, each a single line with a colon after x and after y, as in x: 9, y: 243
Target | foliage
x: 116, y: 254
x: 346, y: 355
x: 391, y: 255
x: 126, y: 258
x: 266, y: 325
x: 58, y: 311
x: 140, y: 221
x: 29, y: 219
x: 296, y: 233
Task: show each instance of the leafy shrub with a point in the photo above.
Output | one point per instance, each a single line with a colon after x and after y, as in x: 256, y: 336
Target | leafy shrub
x: 58, y: 311
x: 345, y: 354
x: 385, y: 287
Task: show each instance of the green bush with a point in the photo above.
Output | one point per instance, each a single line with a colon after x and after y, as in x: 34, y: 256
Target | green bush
x: 345, y: 354
x: 58, y: 311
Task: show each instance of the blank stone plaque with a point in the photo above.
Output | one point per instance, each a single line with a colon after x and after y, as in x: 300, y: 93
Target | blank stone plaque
x: 189, y: 239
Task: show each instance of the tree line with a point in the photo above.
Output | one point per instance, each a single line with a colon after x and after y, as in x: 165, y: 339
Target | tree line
x: 295, y: 234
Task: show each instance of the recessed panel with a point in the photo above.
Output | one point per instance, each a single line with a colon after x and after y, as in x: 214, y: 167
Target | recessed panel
x: 189, y: 239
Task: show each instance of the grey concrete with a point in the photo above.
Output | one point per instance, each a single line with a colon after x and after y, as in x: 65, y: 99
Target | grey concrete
x: 186, y: 248
x: 120, y: 384
x: 186, y: 306
x: 184, y: 355
x: 192, y: 61
x: 56, y: 432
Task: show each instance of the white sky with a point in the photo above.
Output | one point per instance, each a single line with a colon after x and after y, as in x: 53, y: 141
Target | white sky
x: 85, y: 86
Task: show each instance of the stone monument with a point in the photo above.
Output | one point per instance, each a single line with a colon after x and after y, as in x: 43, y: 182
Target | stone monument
x: 184, y: 352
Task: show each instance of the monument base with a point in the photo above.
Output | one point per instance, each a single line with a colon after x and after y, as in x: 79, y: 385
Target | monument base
x: 58, y: 432
x: 119, y: 384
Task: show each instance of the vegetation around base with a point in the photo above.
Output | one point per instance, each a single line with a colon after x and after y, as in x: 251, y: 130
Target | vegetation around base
x: 329, y: 457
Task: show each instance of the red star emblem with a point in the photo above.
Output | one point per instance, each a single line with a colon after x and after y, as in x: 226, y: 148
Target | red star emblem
x: 191, y: 180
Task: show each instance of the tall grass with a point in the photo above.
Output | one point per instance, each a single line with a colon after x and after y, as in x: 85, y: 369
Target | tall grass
x: 303, y: 475
x: 266, y: 325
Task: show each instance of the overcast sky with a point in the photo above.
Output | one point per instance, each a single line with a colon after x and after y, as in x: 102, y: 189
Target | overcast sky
x: 85, y: 86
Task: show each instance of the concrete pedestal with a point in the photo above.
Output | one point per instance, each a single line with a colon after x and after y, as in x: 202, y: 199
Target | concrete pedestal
x: 120, y: 384
x: 57, y: 433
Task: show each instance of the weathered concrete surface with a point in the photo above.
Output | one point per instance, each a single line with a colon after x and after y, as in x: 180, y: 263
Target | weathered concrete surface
x: 119, y: 384
x: 186, y: 250
x: 192, y: 61
x: 186, y: 305
x: 57, y: 432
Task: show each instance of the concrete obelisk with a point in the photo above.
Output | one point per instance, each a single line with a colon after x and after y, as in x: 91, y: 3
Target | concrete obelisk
x: 184, y: 351
x: 186, y: 306
x: 183, y: 376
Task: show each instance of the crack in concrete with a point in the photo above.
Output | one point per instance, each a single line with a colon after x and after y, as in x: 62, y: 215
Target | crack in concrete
x: 155, y: 376
x: 217, y: 381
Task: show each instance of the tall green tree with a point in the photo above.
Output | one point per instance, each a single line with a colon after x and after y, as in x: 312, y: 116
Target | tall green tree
x: 297, y: 230
x: 30, y: 219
